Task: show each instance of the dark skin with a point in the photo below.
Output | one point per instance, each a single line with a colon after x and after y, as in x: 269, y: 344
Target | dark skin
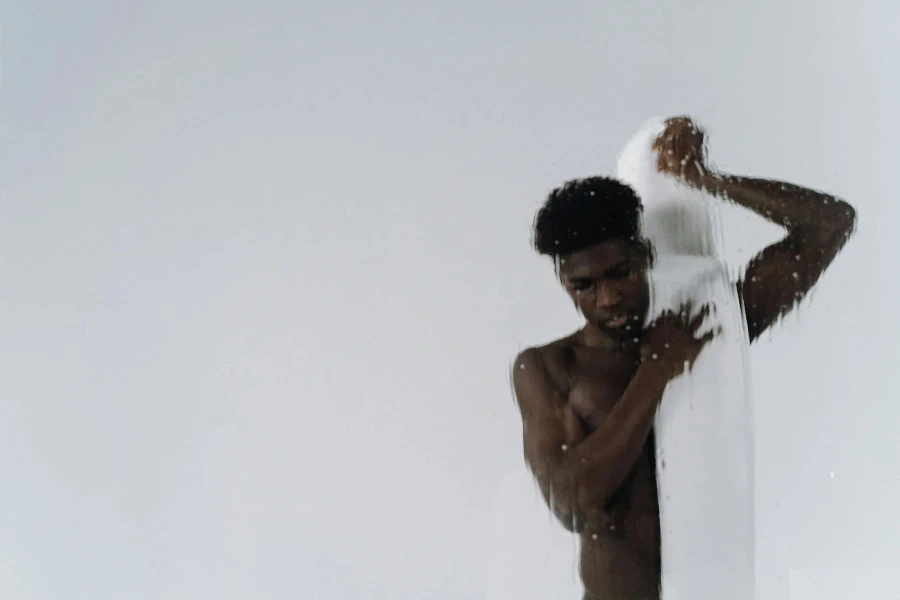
x: 588, y: 400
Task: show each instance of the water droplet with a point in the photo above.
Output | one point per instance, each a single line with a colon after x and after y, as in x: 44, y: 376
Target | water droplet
x: 831, y: 474
x: 636, y: 340
x: 565, y: 447
x: 796, y: 276
x: 522, y: 366
x: 655, y: 356
x: 612, y: 527
x: 595, y: 537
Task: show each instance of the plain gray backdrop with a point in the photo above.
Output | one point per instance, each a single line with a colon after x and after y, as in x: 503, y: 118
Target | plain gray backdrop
x: 264, y: 267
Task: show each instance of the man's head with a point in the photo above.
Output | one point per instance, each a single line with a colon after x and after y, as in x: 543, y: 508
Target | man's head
x: 592, y: 229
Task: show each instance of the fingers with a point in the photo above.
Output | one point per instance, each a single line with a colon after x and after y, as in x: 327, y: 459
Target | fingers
x: 664, y: 316
x: 692, y: 318
x: 680, y: 147
x: 701, y: 343
x: 700, y: 317
x: 680, y: 129
x: 709, y: 336
x: 687, y: 311
x: 687, y: 318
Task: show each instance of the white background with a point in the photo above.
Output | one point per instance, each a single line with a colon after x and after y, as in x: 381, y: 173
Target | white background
x: 264, y: 267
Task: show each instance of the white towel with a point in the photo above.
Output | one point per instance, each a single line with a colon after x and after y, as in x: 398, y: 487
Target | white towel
x: 704, y: 433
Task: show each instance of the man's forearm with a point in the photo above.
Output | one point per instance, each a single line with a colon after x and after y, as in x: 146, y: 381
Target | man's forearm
x: 786, y: 204
x: 597, y: 466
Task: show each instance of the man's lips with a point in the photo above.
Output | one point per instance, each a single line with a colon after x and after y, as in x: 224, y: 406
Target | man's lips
x: 617, y: 322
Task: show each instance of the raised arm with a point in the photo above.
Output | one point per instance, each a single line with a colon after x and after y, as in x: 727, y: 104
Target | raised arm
x: 817, y: 225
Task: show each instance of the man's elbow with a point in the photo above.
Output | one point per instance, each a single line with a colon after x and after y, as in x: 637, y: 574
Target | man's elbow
x: 833, y: 231
x: 851, y: 221
x: 841, y: 223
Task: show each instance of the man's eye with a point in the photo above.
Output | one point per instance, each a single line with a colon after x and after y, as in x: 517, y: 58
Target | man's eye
x: 620, y: 272
x: 583, y: 286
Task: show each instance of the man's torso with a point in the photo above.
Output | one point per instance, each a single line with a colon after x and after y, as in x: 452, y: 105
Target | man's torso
x: 620, y: 542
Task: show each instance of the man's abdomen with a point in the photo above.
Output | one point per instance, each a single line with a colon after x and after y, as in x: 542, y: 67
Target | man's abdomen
x: 620, y: 567
x: 620, y: 547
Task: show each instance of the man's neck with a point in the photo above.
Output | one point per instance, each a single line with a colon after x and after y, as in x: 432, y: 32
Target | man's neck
x: 592, y: 336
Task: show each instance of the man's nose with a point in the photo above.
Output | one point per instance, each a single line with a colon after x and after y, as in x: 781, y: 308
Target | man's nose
x: 608, y: 296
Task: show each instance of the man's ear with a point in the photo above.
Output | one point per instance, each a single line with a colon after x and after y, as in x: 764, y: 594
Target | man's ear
x: 649, y: 253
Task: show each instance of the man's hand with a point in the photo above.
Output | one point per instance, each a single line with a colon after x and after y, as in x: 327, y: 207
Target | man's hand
x: 673, y: 341
x: 681, y: 151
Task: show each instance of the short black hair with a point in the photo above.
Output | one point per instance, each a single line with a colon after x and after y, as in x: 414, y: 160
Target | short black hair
x: 585, y: 212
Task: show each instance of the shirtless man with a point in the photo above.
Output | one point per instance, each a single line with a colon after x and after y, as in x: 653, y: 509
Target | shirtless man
x: 588, y: 400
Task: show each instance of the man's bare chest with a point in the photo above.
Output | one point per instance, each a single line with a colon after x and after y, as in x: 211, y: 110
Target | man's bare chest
x: 597, y: 380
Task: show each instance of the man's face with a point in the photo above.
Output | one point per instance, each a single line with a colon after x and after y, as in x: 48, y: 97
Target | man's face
x: 608, y: 283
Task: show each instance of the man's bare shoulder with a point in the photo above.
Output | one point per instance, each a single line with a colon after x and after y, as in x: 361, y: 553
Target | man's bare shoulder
x: 545, y: 366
